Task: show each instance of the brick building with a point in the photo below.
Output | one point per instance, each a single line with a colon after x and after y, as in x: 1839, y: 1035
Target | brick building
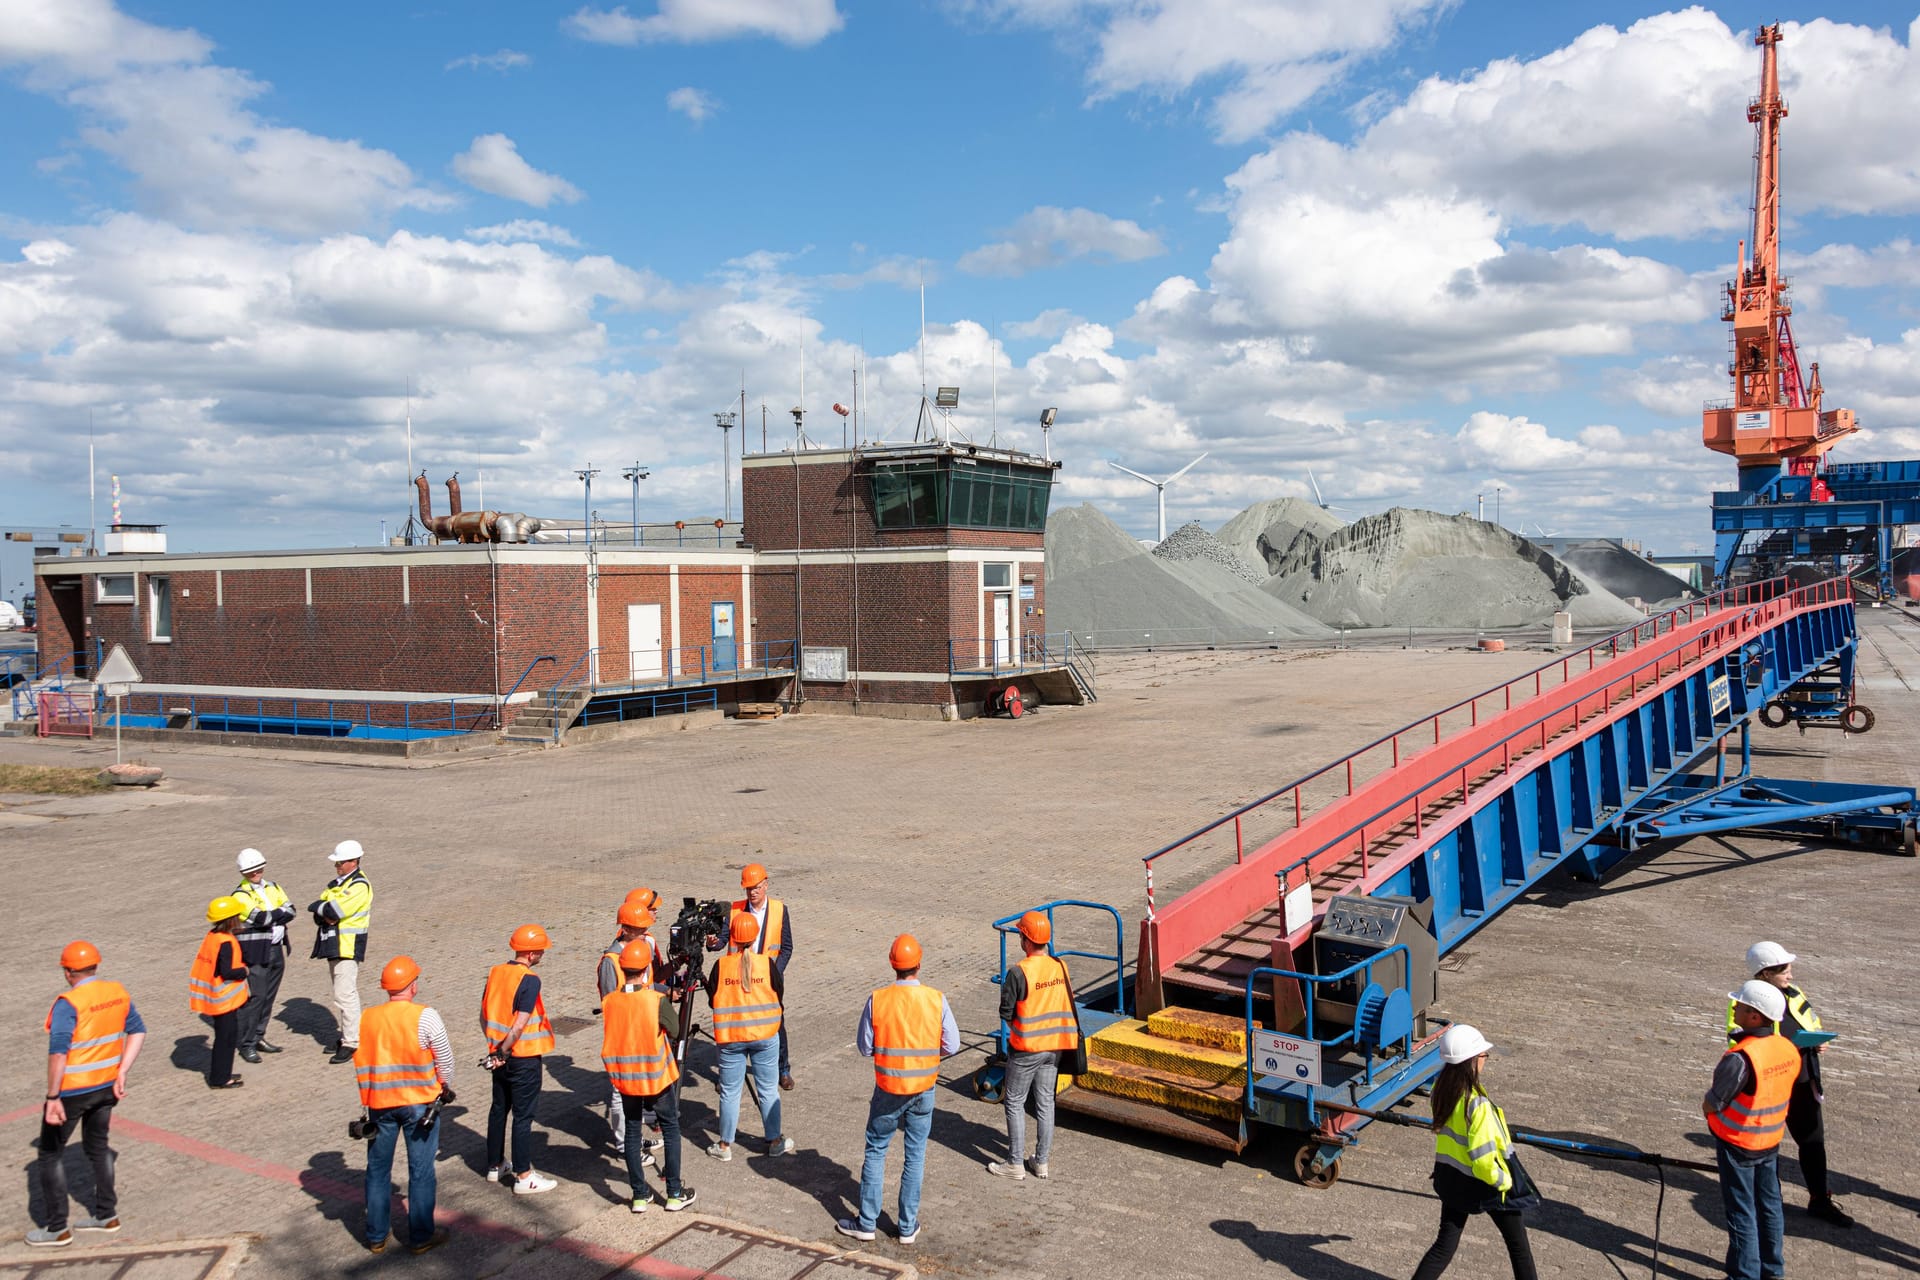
x: 904, y: 580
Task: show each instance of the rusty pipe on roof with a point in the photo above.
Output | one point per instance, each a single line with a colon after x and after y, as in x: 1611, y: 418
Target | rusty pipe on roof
x: 426, y: 499
x: 453, y: 494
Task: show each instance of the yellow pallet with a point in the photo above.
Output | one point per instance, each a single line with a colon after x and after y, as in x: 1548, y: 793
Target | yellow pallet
x: 1162, y: 1088
x: 1134, y: 1044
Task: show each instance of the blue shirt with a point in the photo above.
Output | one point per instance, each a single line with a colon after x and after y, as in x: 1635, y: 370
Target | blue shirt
x: 949, y: 1029
x: 65, y: 1019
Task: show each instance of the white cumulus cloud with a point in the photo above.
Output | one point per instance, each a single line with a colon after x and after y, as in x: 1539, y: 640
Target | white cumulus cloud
x: 1048, y: 236
x: 526, y: 229
x: 499, y: 60
x: 695, y: 104
x: 794, y: 22
x: 493, y: 164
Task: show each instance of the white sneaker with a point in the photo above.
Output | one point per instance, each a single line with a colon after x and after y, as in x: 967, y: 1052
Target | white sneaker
x: 908, y: 1237
x: 638, y: 1206
x: 533, y: 1184
x: 1038, y: 1168
x: 646, y: 1160
x: 784, y: 1147
x: 493, y: 1174
x: 1001, y: 1170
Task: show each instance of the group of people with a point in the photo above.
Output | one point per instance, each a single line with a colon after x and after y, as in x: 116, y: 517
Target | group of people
x: 1765, y: 1086
x: 1767, y: 1083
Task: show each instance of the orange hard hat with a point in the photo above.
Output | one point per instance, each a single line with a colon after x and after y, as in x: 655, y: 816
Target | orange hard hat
x: 905, y: 952
x: 752, y: 874
x: 1036, y: 928
x: 529, y: 937
x: 637, y: 956
x: 744, y: 928
x: 401, y: 972
x: 79, y: 955
x: 634, y: 915
x: 645, y: 897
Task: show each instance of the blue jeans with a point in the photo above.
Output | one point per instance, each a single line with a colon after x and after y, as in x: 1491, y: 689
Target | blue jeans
x: 391, y: 1123
x: 666, y: 1106
x: 1750, y: 1190
x: 911, y: 1114
x: 763, y: 1058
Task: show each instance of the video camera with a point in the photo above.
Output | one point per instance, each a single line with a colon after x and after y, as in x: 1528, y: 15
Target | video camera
x: 700, y: 927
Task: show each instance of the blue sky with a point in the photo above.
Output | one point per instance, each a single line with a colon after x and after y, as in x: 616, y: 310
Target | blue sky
x: 1426, y: 248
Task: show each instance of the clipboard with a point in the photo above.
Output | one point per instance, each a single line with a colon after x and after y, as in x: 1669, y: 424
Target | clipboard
x: 1811, y: 1039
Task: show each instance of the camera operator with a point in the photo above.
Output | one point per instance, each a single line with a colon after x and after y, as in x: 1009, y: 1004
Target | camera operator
x: 636, y: 917
x: 404, y: 1067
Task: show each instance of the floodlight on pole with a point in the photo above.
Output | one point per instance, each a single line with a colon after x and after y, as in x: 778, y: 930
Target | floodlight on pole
x: 635, y: 474
x: 1046, y: 433
x: 725, y: 422
x: 586, y: 475
x: 1160, y: 487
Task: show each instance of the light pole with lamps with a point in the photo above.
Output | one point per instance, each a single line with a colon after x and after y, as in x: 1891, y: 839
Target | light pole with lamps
x: 725, y: 422
x: 586, y: 475
x: 636, y: 473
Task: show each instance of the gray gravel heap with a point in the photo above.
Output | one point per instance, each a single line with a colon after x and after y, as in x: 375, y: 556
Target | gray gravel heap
x: 1191, y: 541
x: 1266, y: 532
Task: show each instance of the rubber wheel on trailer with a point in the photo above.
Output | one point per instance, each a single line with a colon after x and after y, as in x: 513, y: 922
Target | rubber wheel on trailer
x: 1774, y: 714
x: 1907, y: 842
x: 1303, y: 1168
x: 1856, y: 719
x: 988, y: 1082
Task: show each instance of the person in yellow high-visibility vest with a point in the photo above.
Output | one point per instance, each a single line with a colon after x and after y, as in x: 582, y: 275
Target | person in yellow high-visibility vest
x: 343, y: 920
x: 906, y: 1029
x: 1473, y: 1160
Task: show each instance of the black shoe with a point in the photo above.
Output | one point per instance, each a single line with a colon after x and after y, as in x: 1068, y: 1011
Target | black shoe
x: 343, y: 1054
x: 248, y: 1055
x: 786, y: 1083
x: 1828, y: 1211
x: 234, y: 1083
x: 264, y: 1047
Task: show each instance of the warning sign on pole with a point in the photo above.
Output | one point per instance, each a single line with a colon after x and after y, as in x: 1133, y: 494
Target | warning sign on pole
x: 1279, y: 1059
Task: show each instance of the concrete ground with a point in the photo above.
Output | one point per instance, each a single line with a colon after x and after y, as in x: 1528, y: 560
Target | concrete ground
x: 1606, y: 1001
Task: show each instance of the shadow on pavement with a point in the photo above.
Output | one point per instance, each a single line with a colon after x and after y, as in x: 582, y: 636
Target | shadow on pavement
x: 1298, y: 1252
x: 304, y: 1017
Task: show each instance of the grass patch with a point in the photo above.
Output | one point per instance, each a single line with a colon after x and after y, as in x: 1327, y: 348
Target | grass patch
x: 47, y: 780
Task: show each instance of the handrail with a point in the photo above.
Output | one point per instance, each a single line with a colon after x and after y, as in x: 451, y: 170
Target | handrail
x: 1006, y: 925
x: 500, y: 710
x: 1744, y: 596
x: 1352, y: 1033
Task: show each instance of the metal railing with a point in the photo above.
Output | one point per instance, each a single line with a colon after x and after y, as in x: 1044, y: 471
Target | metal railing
x: 1384, y: 753
x: 646, y: 706
x: 1000, y: 655
x: 1008, y: 926
x: 500, y: 715
x: 312, y: 717
x: 759, y: 660
x: 1310, y: 985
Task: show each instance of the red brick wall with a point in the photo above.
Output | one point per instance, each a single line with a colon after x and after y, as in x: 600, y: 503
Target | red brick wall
x: 828, y: 493
x: 543, y: 610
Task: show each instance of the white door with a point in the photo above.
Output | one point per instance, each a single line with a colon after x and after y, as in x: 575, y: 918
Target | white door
x: 643, y: 642
x: 1002, y: 629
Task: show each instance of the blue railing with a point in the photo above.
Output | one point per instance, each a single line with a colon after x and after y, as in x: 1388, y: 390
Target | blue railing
x: 499, y: 720
x: 999, y: 655
x: 688, y: 665
x: 645, y: 706
x: 1008, y: 926
x: 1351, y: 1036
x: 305, y: 717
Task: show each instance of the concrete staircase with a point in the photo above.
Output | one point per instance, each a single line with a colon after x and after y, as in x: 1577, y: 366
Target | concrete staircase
x: 1181, y: 1072
x: 547, y: 717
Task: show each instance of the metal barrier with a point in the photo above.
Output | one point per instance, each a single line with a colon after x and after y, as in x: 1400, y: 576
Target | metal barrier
x: 645, y: 706
x: 1311, y: 982
x: 1008, y: 925
x: 305, y: 717
x: 65, y: 715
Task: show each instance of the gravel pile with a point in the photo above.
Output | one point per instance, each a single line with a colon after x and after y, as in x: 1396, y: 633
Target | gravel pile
x: 1108, y: 590
x: 1614, y: 568
x: 1407, y: 568
x: 1191, y: 541
x: 1264, y: 534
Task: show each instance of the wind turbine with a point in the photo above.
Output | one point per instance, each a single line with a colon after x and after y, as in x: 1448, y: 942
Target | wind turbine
x: 1319, y: 501
x: 1160, y: 486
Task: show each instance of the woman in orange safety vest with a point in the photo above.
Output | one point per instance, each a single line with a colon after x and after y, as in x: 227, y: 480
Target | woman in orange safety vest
x: 217, y: 988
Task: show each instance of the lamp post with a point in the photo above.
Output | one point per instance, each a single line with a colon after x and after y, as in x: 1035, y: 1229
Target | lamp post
x: 586, y: 475
x: 1046, y: 433
x: 725, y: 422
x: 636, y: 473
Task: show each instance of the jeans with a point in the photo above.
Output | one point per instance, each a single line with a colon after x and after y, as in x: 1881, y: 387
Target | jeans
x: 666, y: 1108
x: 92, y: 1111
x: 1750, y: 1192
x: 345, y: 976
x: 762, y: 1057
x: 1453, y: 1220
x: 263, y: 985
x: 516, y: 1090
x: 1037, y: 1072
x: 390, y: 1125
x: 226, y: 1038
x: 912, y: 1115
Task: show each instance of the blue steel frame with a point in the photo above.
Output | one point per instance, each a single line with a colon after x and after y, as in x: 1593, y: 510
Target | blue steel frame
x: 1871, y: 499
x: 1091, y: 1018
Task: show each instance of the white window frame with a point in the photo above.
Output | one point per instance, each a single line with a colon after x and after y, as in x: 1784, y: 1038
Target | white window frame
x: 157, y: 585
x: 102, y: 596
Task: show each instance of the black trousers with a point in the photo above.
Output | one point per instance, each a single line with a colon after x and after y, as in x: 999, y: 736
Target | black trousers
x: 92, y: 1112
x: 1808, y: 1127
x: 226, y: 1038
x: 263, y: 986
x: 516, y: 1092
x: 1453, y: 1220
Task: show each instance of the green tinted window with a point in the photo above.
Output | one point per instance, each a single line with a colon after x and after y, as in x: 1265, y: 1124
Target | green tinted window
x: 978, y: 495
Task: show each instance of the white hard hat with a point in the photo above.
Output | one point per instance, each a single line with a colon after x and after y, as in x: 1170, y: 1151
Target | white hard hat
x: 1761, y: 996
x: 347, y: 851
x: 251, y: 860
x: 1767, y: 955
x: 1462, y: 1043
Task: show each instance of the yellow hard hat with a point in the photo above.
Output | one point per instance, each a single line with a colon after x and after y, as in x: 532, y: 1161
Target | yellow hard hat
x: 225, y: 908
